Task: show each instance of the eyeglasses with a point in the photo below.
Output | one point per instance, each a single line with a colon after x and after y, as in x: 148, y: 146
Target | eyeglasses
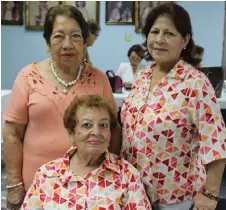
x: 133, y: 59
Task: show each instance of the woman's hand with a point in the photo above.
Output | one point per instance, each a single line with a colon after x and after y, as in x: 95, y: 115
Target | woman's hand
x: 201, y: 202
x: 127, y: 85
x: 15, y: 197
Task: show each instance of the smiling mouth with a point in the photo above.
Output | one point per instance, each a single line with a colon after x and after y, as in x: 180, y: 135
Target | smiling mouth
x: 68, y: 55
x: 94, y: 142
x: 157, y: 49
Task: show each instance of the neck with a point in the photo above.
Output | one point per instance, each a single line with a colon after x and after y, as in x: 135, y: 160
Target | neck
x: 65, y: 72
x: 88, y: 160
x: 165, y: 67
x: 134, y: 70
x: 65, y: 69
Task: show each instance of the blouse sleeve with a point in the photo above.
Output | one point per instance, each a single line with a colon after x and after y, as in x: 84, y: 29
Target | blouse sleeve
x: 207, y: 117
x: 135, y: 197
x: 17, y: 109
x: 32, y: 200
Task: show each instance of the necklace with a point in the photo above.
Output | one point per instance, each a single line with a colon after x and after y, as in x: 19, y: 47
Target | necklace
x: 61, y: 81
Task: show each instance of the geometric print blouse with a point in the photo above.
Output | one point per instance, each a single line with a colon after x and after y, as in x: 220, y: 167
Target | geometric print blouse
x: 171, y: 133
x: 115, y: 185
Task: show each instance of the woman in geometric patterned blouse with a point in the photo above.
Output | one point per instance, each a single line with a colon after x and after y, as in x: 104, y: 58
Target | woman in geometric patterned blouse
x: 173, y: 130
x: 88, y: 176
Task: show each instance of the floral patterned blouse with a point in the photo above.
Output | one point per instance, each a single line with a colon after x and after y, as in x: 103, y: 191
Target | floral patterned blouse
x: 171, y: 133
x: 115, y: 185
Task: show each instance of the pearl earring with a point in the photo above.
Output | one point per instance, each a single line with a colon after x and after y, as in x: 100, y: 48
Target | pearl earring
x: 185, y: 48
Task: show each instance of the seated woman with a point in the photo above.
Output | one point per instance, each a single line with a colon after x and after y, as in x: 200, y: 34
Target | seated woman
x: 127, y: 71
x: 88, y: 176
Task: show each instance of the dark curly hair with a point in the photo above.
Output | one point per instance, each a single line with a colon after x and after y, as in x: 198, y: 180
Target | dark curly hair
x: 64, y: 10
x: 93, y: 27
x: 182, y: 22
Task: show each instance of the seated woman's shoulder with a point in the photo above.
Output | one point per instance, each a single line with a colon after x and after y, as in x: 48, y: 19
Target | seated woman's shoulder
x: 51, y: 168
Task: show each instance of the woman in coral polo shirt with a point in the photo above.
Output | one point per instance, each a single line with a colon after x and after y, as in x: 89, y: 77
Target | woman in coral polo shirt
x: 34, y: 133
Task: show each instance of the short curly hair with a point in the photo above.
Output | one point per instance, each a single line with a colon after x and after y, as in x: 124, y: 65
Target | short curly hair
x: 87, y: 101
x: 182, y: 22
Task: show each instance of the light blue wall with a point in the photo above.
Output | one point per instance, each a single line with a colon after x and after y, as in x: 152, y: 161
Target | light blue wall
x: 21, y: 47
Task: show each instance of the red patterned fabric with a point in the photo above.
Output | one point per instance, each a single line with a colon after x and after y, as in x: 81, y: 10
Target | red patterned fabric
x: 114, y: 185
x: 171, y: 133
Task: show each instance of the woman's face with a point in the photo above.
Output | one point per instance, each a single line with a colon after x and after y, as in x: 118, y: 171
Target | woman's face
x: 134, y: 60
x: 66, y: 42
x: 92, y: 132
x: 165, y: 43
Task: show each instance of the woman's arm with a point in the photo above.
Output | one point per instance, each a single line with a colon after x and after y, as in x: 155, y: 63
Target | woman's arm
x: 214, y: 176
x: 215, y: 172
x: 13, y: 157
x: 212, y: 139
x: 13, y: 135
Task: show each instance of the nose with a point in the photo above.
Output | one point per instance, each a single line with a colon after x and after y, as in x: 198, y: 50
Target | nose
x: 96, y: 130
x: 160, y: 39
x: 67, y: 43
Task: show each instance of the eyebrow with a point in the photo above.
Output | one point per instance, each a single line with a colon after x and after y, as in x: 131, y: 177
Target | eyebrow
x: 167, y: 29
x: 106, y: 119
x: 60, y: 31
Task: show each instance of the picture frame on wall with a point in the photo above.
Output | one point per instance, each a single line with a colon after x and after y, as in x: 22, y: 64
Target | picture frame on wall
x: 36, y: 12
x: 89, y: 9
x: 142, y: 9
x: 119, y: 12
x: 11, y: 13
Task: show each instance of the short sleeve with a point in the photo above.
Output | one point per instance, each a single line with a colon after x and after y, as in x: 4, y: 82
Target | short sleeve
x: 135, y: 197
x: 17, y: 109
x: 207, y: 117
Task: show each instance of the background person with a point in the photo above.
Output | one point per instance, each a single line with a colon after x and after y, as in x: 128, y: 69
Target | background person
x: 199, y: 52
x: 94, y: 30
x: 127, y: 71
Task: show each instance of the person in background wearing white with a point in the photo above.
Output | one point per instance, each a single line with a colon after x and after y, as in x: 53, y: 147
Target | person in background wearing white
x: 127, y: 71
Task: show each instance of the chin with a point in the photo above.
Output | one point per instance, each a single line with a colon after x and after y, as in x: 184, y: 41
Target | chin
x: 96, y: 150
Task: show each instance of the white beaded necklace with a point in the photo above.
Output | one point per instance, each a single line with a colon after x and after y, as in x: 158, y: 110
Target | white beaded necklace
x: 61, y: 81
